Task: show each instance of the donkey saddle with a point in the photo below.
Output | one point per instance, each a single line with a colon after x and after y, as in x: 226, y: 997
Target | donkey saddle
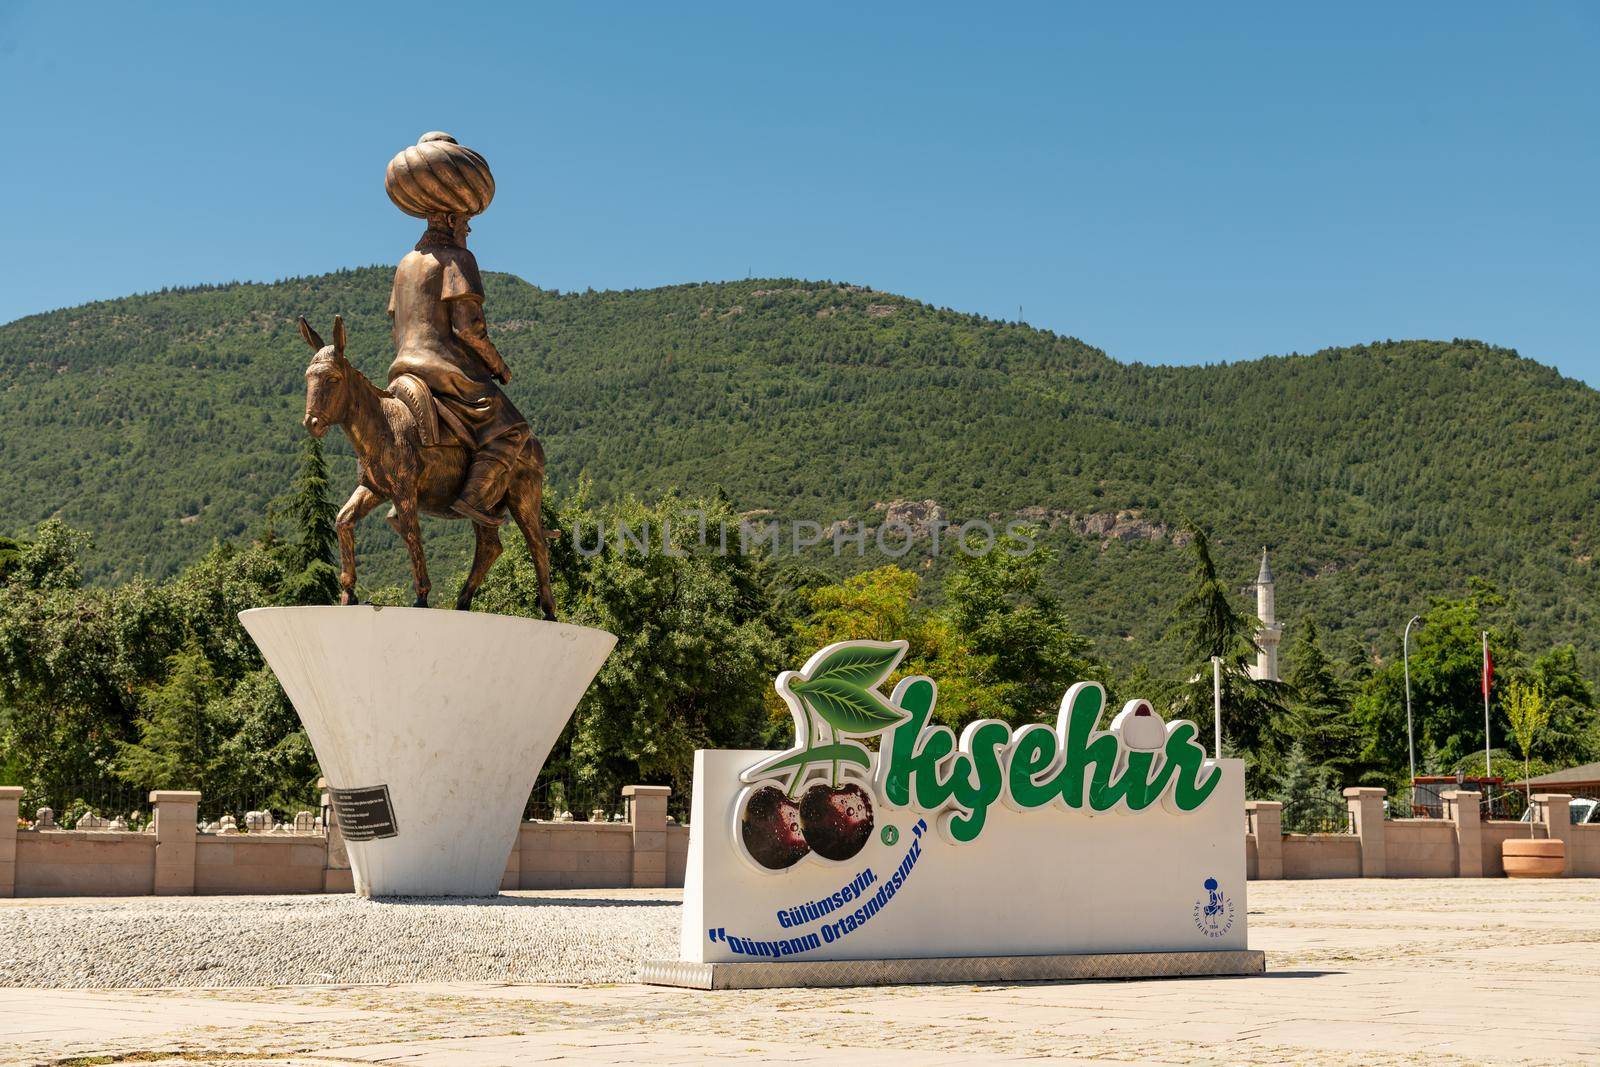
x: 414, y: 393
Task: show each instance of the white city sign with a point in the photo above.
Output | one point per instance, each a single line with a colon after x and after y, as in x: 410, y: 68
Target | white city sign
x: 1076, y: 837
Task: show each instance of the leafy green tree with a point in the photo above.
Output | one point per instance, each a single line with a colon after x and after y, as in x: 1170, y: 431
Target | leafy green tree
x: 53, y: 559
x: 92, y: 679
x: 1446, y: 694
x: 1528, y: 713
x: 1255, y: 713
x: 71, y: 662
x: 698, y: 644
x: 1572, y: 734
x: 999, y: 646
x: 10, y: 556
x: 881, y: 605
x: 263, y: 755
x: 1020, y: 638
x: 210, y: 595
x: 874, y: 605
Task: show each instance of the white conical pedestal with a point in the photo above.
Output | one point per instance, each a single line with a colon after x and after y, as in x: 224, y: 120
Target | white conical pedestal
x: 453, y: 711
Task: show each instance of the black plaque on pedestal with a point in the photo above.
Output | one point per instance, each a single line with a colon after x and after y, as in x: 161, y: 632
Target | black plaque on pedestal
x: 364, y: 814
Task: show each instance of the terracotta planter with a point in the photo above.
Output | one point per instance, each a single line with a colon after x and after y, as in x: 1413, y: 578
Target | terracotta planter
x: 1525, y: 857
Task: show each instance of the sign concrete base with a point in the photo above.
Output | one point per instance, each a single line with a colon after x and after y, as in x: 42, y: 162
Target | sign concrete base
x: 430, y: 726
x: 956, y: 969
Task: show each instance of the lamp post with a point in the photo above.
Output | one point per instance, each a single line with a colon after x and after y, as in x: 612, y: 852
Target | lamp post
x: 1411, y: 741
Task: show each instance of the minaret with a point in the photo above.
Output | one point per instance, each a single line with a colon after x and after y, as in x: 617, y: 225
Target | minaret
x: 1271, y: 632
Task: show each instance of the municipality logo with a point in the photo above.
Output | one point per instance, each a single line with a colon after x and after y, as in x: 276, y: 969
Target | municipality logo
x: 1213, y: 913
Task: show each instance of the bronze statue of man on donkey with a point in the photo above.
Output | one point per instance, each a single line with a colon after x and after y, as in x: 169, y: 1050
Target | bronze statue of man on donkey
x: 443, y: 438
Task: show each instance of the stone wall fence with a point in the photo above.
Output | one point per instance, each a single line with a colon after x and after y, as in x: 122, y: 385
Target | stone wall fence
x: 647, y: 849
x: 1459, y: 845
x: 177, y: 856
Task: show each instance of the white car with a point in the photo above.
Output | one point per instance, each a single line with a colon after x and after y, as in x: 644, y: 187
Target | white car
x: 1585, y: 811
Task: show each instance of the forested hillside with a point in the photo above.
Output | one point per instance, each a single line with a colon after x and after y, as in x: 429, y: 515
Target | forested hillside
x: 1380, y: 475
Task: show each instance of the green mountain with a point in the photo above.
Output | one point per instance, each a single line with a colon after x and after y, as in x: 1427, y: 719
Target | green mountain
x: 1379, y: 474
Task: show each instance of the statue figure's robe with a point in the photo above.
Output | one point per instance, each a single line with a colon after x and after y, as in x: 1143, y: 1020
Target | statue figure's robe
x: 428, y: 281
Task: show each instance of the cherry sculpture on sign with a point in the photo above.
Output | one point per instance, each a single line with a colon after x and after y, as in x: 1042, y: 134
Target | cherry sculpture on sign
x: 835, y: 703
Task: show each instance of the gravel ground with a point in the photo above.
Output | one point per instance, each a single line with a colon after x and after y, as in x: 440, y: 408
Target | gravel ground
x: 153, y: 942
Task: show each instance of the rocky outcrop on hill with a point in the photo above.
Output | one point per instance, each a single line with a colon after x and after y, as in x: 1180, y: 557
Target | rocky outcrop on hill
x: 1128, y: 524
x: 917, y: 516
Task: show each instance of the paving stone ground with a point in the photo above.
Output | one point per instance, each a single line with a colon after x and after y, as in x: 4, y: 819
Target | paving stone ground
x: 1442, y: 972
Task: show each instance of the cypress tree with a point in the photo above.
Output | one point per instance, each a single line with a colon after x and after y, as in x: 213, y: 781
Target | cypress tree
x: 311, y: 510
x: 177, y: 728
x: 1309, y: 798
x: 1322, y: 722
x: 1205, y: 620
x: 313, y: 578
x: 1254, y: 711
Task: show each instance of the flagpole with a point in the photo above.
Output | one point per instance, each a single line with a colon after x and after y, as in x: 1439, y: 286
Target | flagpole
x: 1487, y: 773
x: 1216, y: 702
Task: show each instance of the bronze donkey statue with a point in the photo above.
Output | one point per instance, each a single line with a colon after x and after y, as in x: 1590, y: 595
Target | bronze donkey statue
x: 395, y: 466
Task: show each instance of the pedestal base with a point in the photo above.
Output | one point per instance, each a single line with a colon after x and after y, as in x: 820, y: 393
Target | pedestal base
x: 959, y: 969
x: 430, y: 726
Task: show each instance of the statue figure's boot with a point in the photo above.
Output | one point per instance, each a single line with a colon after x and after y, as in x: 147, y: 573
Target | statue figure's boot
x: 481, y: 497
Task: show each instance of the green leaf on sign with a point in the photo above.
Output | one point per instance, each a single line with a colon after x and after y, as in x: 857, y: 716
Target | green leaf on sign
x: 848, y: 708
x: 858, y: 665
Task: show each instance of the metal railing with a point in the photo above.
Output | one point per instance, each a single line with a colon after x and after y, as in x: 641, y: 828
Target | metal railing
x: 213, y: 808
x: 556, y: 795
x: 1503, y: 803
x: 106, y: 798
x: 1315, y: 813
x: 1426, y: 801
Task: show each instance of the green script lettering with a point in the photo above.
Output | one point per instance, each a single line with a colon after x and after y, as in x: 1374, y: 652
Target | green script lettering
x: 1033, y: 753
x: 1082, y: 753
x: 1184, y: 753
x: 1095, y: 770
x: 984, y: 740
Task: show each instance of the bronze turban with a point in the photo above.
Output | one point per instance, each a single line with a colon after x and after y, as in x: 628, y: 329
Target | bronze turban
x: 436, y: 176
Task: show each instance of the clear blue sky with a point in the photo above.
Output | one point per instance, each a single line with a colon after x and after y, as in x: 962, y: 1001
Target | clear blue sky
x: 1174, y: 183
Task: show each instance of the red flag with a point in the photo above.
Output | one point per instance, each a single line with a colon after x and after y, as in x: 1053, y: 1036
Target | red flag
x: 1488, y: 670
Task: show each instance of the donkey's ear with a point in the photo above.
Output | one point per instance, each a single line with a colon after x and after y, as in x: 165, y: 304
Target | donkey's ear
x: 338, y: 334
x: 310, y: 335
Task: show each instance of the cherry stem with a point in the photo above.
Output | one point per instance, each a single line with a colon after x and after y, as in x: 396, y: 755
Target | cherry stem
x: 800, y: 771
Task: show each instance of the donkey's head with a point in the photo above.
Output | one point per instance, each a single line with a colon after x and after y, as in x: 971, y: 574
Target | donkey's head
x: 327, y: 379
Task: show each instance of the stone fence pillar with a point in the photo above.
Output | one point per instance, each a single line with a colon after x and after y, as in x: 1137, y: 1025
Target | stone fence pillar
x: 1366, y: 815
x: 647, y: 811
x: 336, y: 874
x: 10, y: 798
x: 175, y: 814
x: 1554, y: 812
x: 1266, y: 823
x: 1461, y: 808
